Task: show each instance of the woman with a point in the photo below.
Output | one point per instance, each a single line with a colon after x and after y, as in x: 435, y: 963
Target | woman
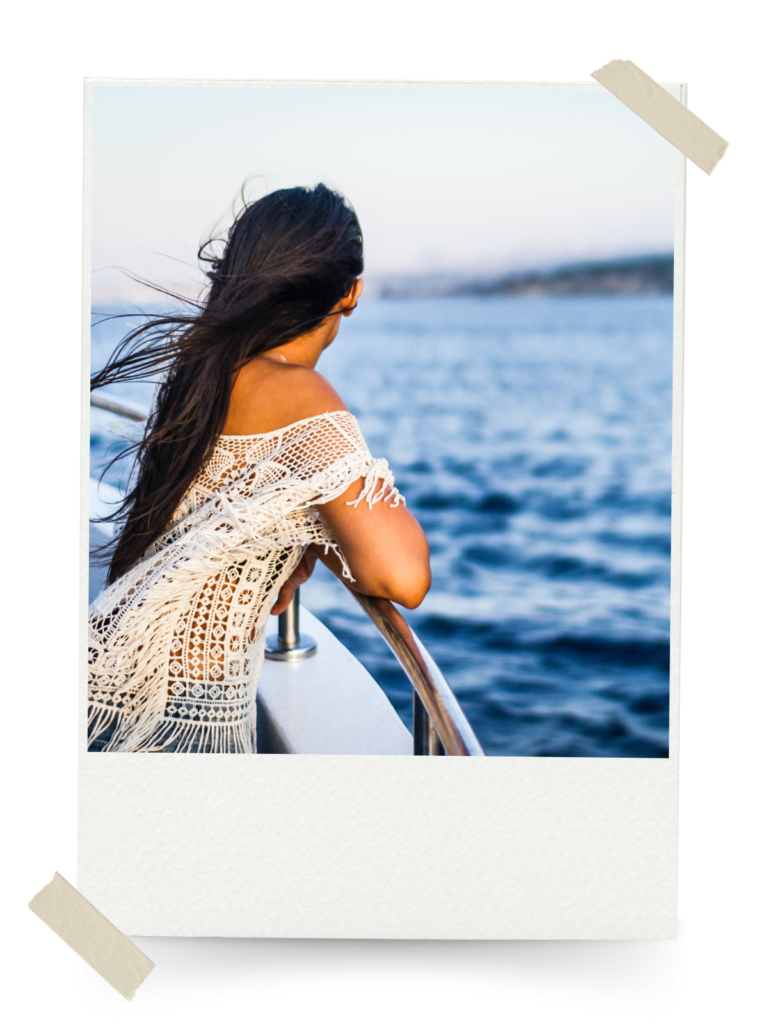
x: 251, y: 468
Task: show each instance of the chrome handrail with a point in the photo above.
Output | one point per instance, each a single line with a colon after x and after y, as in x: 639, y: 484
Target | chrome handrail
x: 439, y: 724
x: 119, y: 406
x: 438, y: 720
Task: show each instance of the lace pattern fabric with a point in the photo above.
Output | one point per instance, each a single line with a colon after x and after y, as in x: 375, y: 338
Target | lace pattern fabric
x: 176, y: 643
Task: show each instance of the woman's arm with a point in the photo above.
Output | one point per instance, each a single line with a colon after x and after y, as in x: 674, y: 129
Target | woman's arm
x: 385, y: 548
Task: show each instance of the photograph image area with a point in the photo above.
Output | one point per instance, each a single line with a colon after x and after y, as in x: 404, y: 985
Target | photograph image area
x: 411, y: 343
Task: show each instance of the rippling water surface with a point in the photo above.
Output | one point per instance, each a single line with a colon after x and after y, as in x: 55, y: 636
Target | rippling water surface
x: 532, y: 439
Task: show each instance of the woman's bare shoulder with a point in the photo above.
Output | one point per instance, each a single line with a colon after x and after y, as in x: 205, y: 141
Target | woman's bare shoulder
x: 268, y: 395
x: 311, y: 392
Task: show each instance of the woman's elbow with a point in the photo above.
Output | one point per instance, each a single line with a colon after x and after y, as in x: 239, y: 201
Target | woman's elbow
x: 411, y: 599
x: 408, y: 589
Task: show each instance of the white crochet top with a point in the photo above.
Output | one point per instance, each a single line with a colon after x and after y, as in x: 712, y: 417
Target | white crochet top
x: 176, y: 643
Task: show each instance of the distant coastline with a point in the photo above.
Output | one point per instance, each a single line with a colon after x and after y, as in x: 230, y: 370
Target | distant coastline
x: 640, y: 275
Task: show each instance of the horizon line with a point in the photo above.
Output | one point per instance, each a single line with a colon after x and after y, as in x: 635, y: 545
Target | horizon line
x: 465, y: 276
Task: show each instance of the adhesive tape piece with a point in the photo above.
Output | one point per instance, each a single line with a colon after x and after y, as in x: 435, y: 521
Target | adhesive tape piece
x: 663, y: 113
x: 91, y: 935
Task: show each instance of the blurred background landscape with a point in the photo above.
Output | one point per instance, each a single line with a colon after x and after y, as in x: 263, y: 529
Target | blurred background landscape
x: 641, y: 275
x: 511, y: 357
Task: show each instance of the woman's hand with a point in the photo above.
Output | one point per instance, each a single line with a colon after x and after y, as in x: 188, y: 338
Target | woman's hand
x: 300, y: 575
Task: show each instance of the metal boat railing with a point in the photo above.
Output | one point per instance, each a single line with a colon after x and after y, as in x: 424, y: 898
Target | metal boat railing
x: 439, y: 725
x: 119, y: 406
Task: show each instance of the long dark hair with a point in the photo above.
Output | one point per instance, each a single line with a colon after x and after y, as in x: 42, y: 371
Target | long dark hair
x: 287, y: 260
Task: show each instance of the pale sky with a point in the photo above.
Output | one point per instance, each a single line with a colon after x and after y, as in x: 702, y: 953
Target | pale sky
x: 461, y: 179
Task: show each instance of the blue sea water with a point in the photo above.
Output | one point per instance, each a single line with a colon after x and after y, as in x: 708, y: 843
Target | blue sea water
x: 532, y: 439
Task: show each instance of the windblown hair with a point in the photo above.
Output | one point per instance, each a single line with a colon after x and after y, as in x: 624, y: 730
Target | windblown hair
x: 287, y: 260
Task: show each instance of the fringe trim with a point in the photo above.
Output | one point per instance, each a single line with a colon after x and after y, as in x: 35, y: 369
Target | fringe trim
x: 181, y: 737
x: 379, y: 470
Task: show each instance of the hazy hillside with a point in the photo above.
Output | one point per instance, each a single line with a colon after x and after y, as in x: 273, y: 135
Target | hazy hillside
x: 628, y: 276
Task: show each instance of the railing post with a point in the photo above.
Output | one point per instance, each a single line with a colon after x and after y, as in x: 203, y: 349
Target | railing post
x: 288, y: 634
x: 290, y: 645
x: 426, y: 742
x: 420, y: 726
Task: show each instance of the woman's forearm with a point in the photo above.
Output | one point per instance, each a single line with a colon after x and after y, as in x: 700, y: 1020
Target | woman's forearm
x: 331, y: 561
x: 407, y: 589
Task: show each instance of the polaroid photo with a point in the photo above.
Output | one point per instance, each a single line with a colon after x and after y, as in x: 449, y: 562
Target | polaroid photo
x: 382, y: 465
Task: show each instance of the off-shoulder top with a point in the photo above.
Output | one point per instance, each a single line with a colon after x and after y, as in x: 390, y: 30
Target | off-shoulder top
x: 176, y: 643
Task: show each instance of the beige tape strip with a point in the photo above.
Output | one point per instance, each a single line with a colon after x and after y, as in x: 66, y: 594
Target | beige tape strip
x: 91, y: 935
x: 663, y: 113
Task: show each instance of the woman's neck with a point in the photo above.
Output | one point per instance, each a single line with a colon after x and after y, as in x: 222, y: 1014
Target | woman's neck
x: 307, y: 348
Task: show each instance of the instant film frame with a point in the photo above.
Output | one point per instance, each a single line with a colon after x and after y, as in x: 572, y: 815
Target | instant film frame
x: 380, y: 846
